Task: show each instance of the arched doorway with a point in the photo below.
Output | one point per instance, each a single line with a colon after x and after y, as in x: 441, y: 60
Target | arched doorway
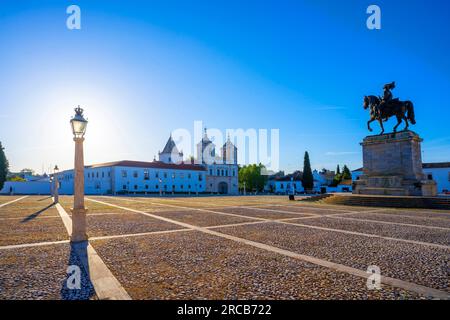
x: 223, y: 188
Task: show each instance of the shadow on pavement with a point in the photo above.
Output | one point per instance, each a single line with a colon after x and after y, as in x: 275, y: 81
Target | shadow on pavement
x: 37, y: 213
x: 77, y: 285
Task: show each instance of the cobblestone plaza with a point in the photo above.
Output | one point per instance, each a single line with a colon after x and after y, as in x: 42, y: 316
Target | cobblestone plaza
x: 255, y: 247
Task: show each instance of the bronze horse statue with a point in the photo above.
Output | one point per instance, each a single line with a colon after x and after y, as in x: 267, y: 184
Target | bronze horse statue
x: 402, y: 110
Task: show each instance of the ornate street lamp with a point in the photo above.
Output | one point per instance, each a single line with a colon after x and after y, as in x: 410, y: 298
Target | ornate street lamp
x: 78, y: 123
x: 56, y: 184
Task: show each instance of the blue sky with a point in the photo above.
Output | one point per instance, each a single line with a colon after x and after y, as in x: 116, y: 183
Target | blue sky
x: 144, y: 68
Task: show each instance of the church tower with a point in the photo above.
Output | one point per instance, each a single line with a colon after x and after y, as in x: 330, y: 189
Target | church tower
x: 206, y: 150
x: 170, y: 153
x: 229, y: 152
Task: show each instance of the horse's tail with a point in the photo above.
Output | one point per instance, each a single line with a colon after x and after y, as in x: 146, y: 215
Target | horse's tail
x: 410, y: 111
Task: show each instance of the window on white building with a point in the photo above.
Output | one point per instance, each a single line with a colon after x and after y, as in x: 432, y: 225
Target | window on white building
x: 157, y: 174
x: 135, y: 174
x: 165, y: 174
x: 124, y: 173
x: 146, y: 175
x: 200, y: 177
x: 189, y: 175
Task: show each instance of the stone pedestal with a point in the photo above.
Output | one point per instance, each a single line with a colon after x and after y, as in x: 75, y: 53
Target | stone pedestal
x: 392, y: 165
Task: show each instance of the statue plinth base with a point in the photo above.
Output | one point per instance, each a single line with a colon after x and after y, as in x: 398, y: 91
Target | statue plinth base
x: 392, y: 165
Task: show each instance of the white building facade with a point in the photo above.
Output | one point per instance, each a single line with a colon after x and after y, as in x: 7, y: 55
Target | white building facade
x: 439, y: 172
x: 168, y: 175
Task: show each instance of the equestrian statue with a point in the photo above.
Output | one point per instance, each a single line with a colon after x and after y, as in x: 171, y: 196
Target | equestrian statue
x: 383, y: 108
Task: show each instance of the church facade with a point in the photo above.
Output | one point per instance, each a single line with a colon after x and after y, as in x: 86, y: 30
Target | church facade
x: 170, y: 174
x: 222, y: 171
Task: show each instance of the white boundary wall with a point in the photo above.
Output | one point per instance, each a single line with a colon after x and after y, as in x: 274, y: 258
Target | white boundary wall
x: 26, y: 187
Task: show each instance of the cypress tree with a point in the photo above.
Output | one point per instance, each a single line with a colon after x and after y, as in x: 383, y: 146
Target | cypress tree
x: 4, y: 165
x: 308, y: 179
x: 346, y: 174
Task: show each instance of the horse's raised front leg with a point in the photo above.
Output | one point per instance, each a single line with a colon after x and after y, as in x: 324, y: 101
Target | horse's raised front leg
x: 368, y: 124
x: 381, y: 125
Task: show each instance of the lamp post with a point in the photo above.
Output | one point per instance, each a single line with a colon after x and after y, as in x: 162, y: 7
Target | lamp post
x: 160, y: 187
x: 55, y: 184
x: 52, y: 187
x: 78, y: 123
x: 244, y: 189
x: 292, y: 195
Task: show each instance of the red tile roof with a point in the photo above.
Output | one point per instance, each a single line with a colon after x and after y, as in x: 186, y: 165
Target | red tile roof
x: 150, y: 165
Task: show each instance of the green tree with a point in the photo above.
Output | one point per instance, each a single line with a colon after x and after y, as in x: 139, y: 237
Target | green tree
x: 16, y: 179
x: 4, y: 166
x: 346, y: 174
x: 252, y: 177
x: 338, y: 170
x: 308, y: 179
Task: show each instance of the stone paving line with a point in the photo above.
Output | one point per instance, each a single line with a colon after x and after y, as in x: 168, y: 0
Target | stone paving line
x: 313, y: 215
x: 49, y: 243
x: 394, y: 223
x: 208, y: 206
x: 393, y: 214
x: 57, y: 216
x: 340, y: 216
x: 420, y: 289
x: 34, y: 244
x: 15, y: 200
x: 285, y: 221
x: 106, y: 286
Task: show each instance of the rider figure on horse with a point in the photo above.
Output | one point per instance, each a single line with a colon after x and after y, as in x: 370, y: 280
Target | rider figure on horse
x: 387, y: 98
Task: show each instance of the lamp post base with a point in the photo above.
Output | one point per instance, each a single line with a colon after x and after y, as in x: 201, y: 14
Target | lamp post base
x: 78, y: 225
